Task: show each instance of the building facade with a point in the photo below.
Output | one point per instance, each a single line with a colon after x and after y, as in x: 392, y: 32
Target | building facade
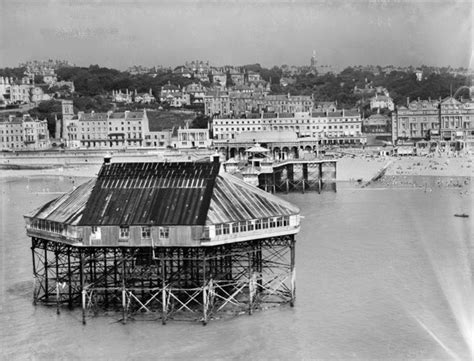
x: 239, y: 103
x: 107, y: 130
x: 447, y: 119
x: 24, y: 133
x: 340, y: 127
x: 216, y: 103
x: 379, y: 101
x: 193, y: 138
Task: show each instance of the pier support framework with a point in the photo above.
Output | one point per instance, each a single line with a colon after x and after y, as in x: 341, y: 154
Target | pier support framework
x: 303, y: 176
x: 192, y: 283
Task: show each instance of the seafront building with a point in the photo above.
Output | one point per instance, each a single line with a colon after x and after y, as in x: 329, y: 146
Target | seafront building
x: 340, y: 127
x: 238, y: 103
x: 24, y: 133
x: 445, y: 120
x: 106, y: 130
x: 183, y: 239
x: 193, y: 138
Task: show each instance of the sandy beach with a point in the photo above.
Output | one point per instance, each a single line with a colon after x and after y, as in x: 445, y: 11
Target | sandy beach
x: 418, y: 171
x: 365, y: 168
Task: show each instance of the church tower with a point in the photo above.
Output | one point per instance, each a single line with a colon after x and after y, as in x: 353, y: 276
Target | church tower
x: 67, y: 115
x: 313, y: 59
x: 67, y: 109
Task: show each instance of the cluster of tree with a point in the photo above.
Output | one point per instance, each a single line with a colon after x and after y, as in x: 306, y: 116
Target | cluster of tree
x: 401, y: 85
x: 49, y: 110
x: 94, y: 83
x: 96, y: 80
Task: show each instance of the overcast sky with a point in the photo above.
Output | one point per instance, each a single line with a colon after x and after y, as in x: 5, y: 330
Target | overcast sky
x: 122, y: 33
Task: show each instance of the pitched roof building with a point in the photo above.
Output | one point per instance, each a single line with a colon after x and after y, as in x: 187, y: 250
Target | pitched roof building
x: 163, y: 204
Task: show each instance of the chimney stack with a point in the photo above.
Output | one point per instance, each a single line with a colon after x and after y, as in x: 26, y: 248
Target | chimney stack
x: 107, y: 159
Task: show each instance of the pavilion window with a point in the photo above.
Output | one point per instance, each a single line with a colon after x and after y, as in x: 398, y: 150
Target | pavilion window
x: 272, y: 223
x: 265, y: 223
x: 146, y: 232
x: 164, y: 232
x: 124, y: 232
x: 258, y: 224
x: 243, y: 226
x: 251, y: 226
x: 218, y: 229
x: 225, y: 228
x: 279, y: 221
x: 235, y: 227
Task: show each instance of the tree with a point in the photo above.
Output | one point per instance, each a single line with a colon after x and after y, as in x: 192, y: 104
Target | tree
x: 201, y: 121
x: 49, y: 110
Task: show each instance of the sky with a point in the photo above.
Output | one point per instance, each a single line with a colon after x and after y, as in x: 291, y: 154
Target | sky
x: 121, y: 33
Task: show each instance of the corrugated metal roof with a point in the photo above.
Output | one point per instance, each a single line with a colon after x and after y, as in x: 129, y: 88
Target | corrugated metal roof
x: 151, y: 193
x: 68, y: 208
x: 234, y: 200
x: 182, y: 193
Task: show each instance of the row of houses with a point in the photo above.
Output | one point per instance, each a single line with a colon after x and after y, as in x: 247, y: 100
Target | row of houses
x: 236, y: 104
x: 24, y: 91
x: 446, y: 119
x: 119, y: 130
x: 345, y: 126
x: 25, y: 132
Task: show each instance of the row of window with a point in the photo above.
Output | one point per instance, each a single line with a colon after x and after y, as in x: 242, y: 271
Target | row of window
x: 12, y: 139
x: 110, y: 129
x: 249, y: 226
x: 104, y: 135
x: 287, y: 120
x: 11, y: 131
x: 124, y: 232
x: 47, y: 225
x: 110, y: 123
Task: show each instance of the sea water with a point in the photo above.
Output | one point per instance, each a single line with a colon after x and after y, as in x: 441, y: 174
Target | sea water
x: 381, y: 274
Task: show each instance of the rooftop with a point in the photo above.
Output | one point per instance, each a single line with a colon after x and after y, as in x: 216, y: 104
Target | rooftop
x: 181, y: 193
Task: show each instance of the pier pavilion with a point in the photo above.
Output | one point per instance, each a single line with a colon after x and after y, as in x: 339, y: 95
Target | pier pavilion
x: 175, y: 240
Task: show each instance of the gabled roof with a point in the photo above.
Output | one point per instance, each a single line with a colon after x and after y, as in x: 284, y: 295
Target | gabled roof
x: 450, y: 101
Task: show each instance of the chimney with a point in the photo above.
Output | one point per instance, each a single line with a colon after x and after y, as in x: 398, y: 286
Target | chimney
x: 408, y: 101
x: 215, y: 158
x: 107, y: 159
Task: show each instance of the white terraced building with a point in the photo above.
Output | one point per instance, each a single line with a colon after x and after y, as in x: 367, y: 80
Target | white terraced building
x: 342, y: 126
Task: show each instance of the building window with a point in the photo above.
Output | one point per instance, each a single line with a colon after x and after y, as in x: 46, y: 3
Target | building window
x: 258, y: 224
x: 146, y: 232
x: 226, y: 229
x: 243, y: 226
x: 164, y: 232
x: 279, y: 222
x: 235, y: 227
x: 250, y: 226
x: 265, y: 223
x: 124, y: 232
x: 218, y: 229
x: 94, y: 229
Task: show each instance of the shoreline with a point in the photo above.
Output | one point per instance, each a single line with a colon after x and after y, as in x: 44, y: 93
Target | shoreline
x: 417, y: 171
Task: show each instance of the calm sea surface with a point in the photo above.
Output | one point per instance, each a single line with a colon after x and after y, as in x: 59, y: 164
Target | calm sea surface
x: 381, y: 274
